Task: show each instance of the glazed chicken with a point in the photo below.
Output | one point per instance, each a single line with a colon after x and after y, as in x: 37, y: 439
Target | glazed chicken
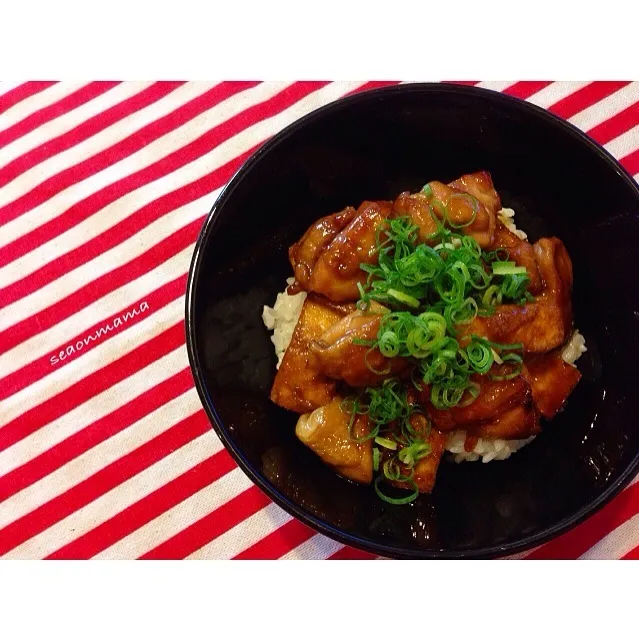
x: 304, y: 254
x: 325, y: 431
x: 334, y: 350
x: 299, y: 385
x: 338, y: 357
x: 336, y: 271
x: 547, y: 322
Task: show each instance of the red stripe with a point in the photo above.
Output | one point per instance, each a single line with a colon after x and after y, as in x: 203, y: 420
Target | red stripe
x: 579, y: 540
x: 100, y: 287
x: 211, y: 526
x: 87, y: 129
x: 42, y: 366
x: 147, y: 508
x: 101, y: 482
x: 171, y: 162
x: 20, y: 93
x: 633, y: 554
x: 38, y: 416
x: 279, y: 542
x: 585, y: 97
x: 616, y: 125
x: 55, y: 110
x: 631, y: 162
x: 524, y: 90
x: 351, y: 553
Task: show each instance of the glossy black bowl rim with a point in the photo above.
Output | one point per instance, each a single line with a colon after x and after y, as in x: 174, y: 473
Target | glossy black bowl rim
x: 487, y: 552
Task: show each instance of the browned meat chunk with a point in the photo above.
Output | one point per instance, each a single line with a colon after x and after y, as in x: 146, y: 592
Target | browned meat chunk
x: 521, y: 252
x: 480, y: 185
x: 417, y: 208
x: 475, y: 215
x: 552, y: 381
x: 518, y: 422
x: 545, y: 324
x: 339, y: 358
x: 337, y: 270
x: 495, y: 398
x: 426, y: 468
x: 299, y: 384
x: 325, y: 432
x: 304, y: 254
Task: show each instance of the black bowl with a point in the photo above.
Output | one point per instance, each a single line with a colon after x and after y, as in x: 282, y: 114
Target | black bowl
x: 373, y: 146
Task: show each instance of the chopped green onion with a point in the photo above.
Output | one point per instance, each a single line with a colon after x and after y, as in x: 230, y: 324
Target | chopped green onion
x: 404, y: 298
x: 386, y: 443
x: 393, y: 500
x: 508, y: 268
x: 375, y: 459
x: 427, y: 191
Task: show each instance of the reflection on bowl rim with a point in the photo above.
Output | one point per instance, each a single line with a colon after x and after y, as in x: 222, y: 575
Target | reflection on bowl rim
x: 280, y: 499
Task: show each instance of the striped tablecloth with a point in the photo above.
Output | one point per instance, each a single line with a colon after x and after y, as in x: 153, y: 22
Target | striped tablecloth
x: 105, y: 450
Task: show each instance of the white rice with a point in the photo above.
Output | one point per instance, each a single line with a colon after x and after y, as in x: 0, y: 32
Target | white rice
x: 507, y: 218
x: 283, y: 316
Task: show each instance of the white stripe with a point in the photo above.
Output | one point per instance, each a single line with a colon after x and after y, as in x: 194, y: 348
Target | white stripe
x: 496, y: 85
x: 617, y: 543
x: 624, y: 144
x: 181, y: 516
x: 244, y: 535
x: 121, y: 497
x: 100, y: 405
x: 63, y: 332
x: 70, y: 120
x: 30, y: 105
x: 554, y: 92
x: 606, y: 108
x: 317, y: 547
x: 94, y: 145
x: 62, y: 377
x: 99, y: 457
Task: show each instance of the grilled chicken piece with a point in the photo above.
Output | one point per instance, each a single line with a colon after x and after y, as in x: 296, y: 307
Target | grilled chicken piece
x: 416, y: 206
x: 325, y: 432
x: 480, y: 185
x: 425, y: 470
x: 495, y: 398
x: 518, y: 422
x: 459, y: 207
x: 521, y: 252
x: 339, y: 358
x: 504, y: 409
x: 552, y: 381
x: 299, y: 384
x: 545, y: 324
x: 337, y: 270
x: 304, y: 254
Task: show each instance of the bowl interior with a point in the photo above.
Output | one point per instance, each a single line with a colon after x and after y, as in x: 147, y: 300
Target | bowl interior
x: 373, y: 147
